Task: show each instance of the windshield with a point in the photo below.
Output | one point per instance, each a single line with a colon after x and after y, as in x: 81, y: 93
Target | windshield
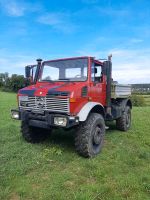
x: 65, y: 70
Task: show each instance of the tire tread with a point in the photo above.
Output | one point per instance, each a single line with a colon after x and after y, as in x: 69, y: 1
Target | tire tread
x: 82, y: 136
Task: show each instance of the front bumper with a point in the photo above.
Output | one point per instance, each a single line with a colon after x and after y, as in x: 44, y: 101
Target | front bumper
x: 44, y: 120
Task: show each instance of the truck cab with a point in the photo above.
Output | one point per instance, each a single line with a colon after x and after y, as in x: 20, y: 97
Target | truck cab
x: 72, y: 93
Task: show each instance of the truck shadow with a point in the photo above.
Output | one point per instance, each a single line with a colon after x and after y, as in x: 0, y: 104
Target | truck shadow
x: 65, y: 138
x: 62, y: 138
x: 111, y: 127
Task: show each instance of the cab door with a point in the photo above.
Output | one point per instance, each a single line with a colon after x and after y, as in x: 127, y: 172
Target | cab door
x: 98, y: 86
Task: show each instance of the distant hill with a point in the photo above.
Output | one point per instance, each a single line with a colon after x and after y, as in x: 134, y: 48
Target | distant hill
x: 141, y: 88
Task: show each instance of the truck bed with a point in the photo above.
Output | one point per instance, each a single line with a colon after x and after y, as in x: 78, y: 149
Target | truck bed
x: 120, y: 90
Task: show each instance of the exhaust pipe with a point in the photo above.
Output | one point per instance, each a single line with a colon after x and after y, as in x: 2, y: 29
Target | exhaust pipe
x: 39, y: 61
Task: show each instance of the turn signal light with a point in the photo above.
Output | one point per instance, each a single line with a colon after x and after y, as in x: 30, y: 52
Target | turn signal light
x: 72, y: 100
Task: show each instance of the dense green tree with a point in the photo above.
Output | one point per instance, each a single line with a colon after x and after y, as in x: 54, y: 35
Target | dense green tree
x: 13, y: 83
x: 16, y: 82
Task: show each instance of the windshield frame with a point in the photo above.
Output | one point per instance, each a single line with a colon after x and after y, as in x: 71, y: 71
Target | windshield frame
x: 63, y: 80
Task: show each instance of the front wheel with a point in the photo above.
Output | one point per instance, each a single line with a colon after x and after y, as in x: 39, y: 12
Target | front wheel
x: 33, y: 134
x: 124, y: 122
x: 90, y: 136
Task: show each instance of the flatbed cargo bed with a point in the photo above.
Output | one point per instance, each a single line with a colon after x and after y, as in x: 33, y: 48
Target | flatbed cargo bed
x: 120, y: 91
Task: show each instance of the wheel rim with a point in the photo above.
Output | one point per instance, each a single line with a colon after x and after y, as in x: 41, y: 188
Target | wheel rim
x: 97, y: 136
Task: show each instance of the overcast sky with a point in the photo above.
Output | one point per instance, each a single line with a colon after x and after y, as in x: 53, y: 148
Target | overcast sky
x: 64, y: 28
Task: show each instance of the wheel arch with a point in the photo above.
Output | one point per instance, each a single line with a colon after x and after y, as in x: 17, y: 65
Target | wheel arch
x: 129, y: 103
x: 125, y: 102
x: 90, y: 107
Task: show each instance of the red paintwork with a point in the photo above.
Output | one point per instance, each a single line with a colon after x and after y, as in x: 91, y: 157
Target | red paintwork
x: 96, y: 93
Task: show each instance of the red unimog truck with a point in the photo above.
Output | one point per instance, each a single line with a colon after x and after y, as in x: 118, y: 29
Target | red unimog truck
x: 76, y: 93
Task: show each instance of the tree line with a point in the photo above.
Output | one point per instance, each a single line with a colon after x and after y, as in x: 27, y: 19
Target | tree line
x: 12, y: 83
x: 141, y: 88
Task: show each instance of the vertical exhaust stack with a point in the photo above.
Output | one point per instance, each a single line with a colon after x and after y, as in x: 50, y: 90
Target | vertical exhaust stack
x: 39, y: 64
x: 39, y: 61
x: 108, y: 86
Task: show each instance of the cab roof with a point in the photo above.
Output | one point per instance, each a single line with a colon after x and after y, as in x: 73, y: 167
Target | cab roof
x: 72, y: 58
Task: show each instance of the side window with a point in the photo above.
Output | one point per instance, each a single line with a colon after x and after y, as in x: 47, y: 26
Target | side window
x: 96, y: 73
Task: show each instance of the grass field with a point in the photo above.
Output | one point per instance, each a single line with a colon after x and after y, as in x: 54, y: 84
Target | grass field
x: 53, y: 170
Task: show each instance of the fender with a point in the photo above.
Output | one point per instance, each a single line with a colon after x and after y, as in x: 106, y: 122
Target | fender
x: 84, y: 112
x: 124, y: 102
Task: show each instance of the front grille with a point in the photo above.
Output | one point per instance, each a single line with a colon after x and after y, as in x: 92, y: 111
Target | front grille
x: 45, y: 103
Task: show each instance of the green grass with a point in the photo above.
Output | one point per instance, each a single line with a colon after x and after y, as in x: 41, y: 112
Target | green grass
x: 53, y: 170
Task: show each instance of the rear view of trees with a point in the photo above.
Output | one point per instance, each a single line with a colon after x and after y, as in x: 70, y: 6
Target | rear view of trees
x: 12, y: 83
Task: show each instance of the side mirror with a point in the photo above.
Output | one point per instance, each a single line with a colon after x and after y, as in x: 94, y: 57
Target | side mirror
x: 30, y: 72
x: 27, y: 71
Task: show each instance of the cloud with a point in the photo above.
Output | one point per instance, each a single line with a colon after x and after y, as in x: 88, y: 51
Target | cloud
x: 14, y: 62
x: 129, y: 66
x: 132, y: 76
x: 136, y: 40
x: 58, y: 21
x: 18, y: 8
x: 12, y: 8
x: 52, y: 19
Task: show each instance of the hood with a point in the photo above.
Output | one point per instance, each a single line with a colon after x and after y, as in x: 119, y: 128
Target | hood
x: 54, y: 89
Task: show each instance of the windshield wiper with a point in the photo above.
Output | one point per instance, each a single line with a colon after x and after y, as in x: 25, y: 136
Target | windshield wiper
x: 64, y: 79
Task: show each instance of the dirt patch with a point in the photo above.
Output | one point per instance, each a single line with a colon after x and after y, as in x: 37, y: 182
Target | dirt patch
x: 69, y: 184
x: 14, y: 196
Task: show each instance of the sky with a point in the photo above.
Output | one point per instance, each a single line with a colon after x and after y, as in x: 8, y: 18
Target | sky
x: 31, y: 29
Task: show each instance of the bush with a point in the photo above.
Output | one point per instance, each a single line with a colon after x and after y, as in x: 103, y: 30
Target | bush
x: 138, y: 100
x: 6, y: 89
x: 16, y: 82
x: 12, y: 83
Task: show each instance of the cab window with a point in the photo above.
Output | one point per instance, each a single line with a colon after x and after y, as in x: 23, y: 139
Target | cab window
x: 96, y: 73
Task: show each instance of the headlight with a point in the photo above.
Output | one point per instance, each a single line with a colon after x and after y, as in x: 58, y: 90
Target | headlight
x: 23, y: 98
x: 60, y: 121
x: 14, y: 114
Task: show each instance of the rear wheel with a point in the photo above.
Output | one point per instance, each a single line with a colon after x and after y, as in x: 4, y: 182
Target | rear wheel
x: 33, y: 134
x: 90, y: 136
x: 124, y: 122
